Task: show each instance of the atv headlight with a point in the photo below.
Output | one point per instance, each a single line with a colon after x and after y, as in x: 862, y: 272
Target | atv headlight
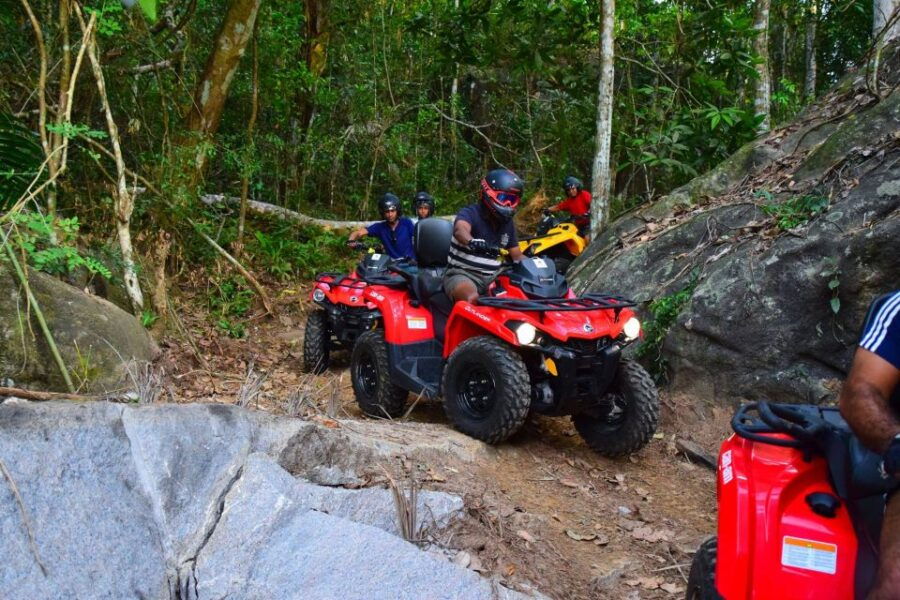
x: 318, y: 295
x: 632, y: 328
x: 525, y: 333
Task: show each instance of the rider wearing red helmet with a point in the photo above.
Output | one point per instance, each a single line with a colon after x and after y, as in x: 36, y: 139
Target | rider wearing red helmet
x: 479, y: 230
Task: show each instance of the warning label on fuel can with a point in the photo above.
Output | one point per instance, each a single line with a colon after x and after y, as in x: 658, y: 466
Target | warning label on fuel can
x: 809, y: 554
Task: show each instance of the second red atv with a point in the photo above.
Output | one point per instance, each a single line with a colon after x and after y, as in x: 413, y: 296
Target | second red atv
x: 343, y: 312
x: 529, y: 346
x: 801, y: 503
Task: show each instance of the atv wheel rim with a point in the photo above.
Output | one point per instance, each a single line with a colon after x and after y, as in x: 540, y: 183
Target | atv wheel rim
x: 615, y: 416
x: 477, y: 393
x: 367, y: 375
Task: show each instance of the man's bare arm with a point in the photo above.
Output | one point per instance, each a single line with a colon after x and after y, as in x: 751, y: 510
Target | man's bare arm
x: 362, y: 231
x: 865, y: 399
x: 462, y: 231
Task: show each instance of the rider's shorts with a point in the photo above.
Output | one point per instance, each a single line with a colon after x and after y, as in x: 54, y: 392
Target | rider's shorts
x: 455, y: 276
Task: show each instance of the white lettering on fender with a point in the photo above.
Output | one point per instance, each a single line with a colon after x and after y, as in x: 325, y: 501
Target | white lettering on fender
x: 469, y: 309
x: 376, y: 295
x: 726, y: 467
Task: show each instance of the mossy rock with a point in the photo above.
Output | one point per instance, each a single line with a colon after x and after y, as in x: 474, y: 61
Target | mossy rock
x: 95, y: 337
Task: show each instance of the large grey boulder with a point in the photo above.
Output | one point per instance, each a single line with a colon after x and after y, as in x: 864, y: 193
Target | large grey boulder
x: 190, y: 501
x: 760, y: 321
x: 95, y: 337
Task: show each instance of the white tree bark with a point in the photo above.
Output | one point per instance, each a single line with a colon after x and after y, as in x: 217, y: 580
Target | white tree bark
x: 886, y: 12
x: 124, y: 201
x: 763, y: 92
x: 601, y: 184
x: 812, y: 21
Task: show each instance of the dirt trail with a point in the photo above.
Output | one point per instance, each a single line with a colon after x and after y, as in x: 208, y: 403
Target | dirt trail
x: 544, y: 510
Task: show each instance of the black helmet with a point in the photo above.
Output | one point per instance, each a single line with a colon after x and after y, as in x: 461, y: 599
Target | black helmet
x: 501, y: 191
x: 387, y: 202
x: 426, y: 199
x: 572, y: 182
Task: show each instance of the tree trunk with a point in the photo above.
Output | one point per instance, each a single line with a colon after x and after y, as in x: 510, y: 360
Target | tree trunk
x: 809, y: 83
x: 886, y: 13
x: 761, y: 48
x: 315, y: 51
x: 124, y: 201
x: 601, y: 185
x: 212, y: 87
x: 245, y: 179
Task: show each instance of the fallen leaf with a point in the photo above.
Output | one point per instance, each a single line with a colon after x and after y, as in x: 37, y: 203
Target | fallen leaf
x: 475, y: 565
x: 510, y: 570
x: 462, y: 558
x: 569, y: 483
x: 601, y: 540
x: 571, y: 462
x: 648, y: 534
x: 672, y: 588
x: 556, y: 518
x: 581, y: 537
x: 525, y: 536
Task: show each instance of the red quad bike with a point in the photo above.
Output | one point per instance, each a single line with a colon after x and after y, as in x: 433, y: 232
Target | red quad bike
x: 343, y: 313
x: 801, y: 502
x: 530, y: 346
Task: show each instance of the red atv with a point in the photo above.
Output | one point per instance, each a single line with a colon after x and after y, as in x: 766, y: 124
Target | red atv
x: 801, y: 502
x: 530, y: 345
x: 343, y: 313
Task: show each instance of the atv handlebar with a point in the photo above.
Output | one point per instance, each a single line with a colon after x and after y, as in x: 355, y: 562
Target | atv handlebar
x: 760, y: 428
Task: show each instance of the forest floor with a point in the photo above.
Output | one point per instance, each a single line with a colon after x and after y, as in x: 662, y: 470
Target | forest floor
x: 544, y: 511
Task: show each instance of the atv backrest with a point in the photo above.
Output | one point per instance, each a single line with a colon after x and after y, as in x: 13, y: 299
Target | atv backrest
x: 432, y: 242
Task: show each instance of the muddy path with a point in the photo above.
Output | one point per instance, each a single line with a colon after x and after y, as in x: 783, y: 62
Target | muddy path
x: 544, y: 511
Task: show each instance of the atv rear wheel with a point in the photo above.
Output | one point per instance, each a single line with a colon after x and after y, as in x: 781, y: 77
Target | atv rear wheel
x: 486, y: 389
x: 632, y: 419
x: 702, y: 580
x: 370, y: 374
x: 316, y: 342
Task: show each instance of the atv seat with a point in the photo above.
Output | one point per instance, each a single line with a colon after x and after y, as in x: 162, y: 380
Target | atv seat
x: 431, y: 243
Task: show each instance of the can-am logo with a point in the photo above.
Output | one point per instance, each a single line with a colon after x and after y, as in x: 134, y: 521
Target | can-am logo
x: 353, y: 298
x: 588, y: 327
x: 484, y: 318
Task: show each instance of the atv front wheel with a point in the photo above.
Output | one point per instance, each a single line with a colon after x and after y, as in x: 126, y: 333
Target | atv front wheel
x: 315, y: 343
x: 371, y: 378
x: 486, y: 389
x: 702, y: 579
x: 631, y: 419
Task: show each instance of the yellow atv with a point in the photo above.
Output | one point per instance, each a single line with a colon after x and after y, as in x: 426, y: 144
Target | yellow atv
x: 556, y: 239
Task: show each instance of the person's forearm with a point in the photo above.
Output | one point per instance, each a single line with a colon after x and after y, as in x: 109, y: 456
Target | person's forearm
x: 869, y: 415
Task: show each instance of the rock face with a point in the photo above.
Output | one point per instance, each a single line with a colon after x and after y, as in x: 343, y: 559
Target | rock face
x: 761, y: 321
x: 189, y: 501
x: 94, y: 337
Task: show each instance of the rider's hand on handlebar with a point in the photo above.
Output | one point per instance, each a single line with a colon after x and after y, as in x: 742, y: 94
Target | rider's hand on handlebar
x: 481, y: 247
x: 356, y: 245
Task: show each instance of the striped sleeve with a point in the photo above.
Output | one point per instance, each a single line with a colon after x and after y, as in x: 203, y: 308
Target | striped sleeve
x: 881, y: 332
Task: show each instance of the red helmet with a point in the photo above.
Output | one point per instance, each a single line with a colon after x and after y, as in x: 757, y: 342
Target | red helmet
x: 501, y: 192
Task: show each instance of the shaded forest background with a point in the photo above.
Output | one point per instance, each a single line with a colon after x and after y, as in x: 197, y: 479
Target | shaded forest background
x: 321, y: 106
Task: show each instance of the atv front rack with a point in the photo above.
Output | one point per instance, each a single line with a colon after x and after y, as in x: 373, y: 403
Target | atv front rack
x: 341, y: 280
x: 586, y: 302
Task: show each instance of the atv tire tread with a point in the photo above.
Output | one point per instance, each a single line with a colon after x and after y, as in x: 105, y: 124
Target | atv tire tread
x: 702, y: 579
x: 315, y: 343
x: 641, y: 414
x: 390, y: 400
x: 515, y: 386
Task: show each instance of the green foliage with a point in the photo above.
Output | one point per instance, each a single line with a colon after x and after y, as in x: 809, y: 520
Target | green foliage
x: 148, y: 318
x: 110, y: 16
x: 795, y: 211
x: 35, y: 234
x: 73, y: 130
x: 20, y: 158
x: 832, y: 273
x: 664, y: 312
x: 230, y: 300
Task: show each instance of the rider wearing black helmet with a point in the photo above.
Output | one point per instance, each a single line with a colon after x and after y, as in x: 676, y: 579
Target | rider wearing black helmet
x: 423, y: 204
x: 577, y: 203
x: 395, y: 232
x: 478, y: 231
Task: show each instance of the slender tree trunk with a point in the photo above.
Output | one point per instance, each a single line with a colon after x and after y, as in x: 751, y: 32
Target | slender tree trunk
x: 124, y: 201
x: 245, y: 180
x: 812, y: 20
x: 763, y: 90
x: 212, y: 87
x: 315, y: 50
x: 601, y: 185
x: 885, y: 13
